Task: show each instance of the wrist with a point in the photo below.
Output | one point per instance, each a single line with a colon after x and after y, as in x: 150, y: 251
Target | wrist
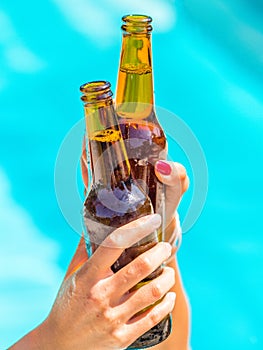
x: 38, y: 339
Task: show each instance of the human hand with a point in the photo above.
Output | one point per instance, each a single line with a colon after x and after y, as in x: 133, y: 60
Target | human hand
x: 93, y: 307
x: 92, y: 304
x: 176, y: 181
x: 174, y: 176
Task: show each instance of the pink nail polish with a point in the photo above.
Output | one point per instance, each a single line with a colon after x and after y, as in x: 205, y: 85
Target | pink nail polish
x: 163, y: 167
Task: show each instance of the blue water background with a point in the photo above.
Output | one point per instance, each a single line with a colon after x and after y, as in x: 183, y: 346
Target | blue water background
x: 208, y: 70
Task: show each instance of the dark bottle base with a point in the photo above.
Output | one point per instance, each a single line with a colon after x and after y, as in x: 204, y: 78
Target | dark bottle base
x: 155, y: 335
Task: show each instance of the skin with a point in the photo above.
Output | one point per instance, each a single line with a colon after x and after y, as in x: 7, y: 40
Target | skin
x: 93, y: 306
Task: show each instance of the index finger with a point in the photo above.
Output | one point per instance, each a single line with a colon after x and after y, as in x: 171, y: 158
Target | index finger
x: 120, y: 239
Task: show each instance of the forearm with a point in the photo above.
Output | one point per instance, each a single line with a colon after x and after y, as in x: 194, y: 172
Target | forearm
x: 37, y: 339
x: 179, y: 339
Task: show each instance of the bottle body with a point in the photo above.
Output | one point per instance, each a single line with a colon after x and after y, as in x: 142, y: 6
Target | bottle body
x: 144, y: 137
x: 115, y: 202
x: 145, y: 144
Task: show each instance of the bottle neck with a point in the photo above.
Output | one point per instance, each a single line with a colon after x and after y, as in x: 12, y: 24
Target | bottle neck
x: 109, y: 161
x: 135, y: 98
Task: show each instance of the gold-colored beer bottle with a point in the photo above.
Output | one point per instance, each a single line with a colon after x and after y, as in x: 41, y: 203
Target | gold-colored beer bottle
x: 144, y: 137
x: 114, y: 198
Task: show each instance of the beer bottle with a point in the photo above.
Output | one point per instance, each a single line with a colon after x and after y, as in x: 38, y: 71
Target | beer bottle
x: 114, y: 198
x: 144, y: 137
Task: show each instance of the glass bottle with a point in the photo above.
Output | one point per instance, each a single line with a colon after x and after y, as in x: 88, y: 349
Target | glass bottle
x: 115, y: 198
x: 144, y: 137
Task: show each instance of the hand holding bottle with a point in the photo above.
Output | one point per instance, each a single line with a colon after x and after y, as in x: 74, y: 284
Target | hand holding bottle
x: 93, y: 308
x: 175, y: 179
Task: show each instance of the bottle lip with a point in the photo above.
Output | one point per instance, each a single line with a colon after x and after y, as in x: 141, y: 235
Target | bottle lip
x: 95, y: 91
x: 135, y: 18
x: 94, y: 86
x: 137, y: 24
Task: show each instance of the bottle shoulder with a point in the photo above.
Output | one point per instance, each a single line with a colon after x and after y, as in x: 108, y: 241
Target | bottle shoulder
x: 142, y: 133
x: 149, y: 124
x: 105, y: 202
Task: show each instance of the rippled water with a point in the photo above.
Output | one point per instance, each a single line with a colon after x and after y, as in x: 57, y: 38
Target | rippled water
x: 208, y: 70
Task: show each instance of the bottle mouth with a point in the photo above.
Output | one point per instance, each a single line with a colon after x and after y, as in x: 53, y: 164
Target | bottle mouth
x: 95, y: 91
x: 137, y: 24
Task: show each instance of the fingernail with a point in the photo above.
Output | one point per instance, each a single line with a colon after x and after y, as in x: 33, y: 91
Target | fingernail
x: 163, y: 167
x: 168, y: 247
x: 156, y: 220
x: 171, y: 296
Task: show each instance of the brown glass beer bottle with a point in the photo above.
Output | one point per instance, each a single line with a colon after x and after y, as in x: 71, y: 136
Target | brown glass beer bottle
x: 114, y: 198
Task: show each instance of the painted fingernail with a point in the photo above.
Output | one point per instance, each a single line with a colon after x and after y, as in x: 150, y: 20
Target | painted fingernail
x: 163, y: 167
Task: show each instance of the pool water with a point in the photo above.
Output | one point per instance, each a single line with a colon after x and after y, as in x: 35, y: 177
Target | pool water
x: 208, y: 71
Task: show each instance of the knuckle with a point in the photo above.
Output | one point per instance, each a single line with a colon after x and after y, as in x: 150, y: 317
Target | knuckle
x: 143, y: 264
x: 117, y: 335
x: 154, y: 316
x: 109, y: 315
x: 180, y: 171
x: 156, y: 290
x: 183, y: 173
x: 112, y: 241
x: 128, y: 274
x: 93, y: 296
x: 96, y: 294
